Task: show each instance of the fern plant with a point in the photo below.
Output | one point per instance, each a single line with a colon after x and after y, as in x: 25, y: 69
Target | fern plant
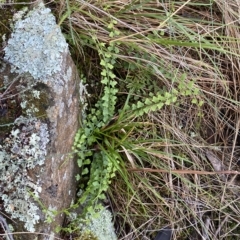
x: 156, y: 102
x: 98, y: 164
x: 97, y: 142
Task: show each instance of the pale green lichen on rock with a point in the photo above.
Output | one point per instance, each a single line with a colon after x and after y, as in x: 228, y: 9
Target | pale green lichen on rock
x: 36, y: 45
x: 24, y: 149
x: 102, y: 226
x: 99, y: 225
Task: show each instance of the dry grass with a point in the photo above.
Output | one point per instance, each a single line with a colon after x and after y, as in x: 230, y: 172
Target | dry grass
x: 160, y: 41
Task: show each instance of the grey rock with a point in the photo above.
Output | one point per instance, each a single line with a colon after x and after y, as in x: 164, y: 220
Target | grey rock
x: 50, y: 175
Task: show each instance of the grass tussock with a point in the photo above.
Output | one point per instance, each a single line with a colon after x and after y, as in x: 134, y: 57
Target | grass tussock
x: 169, y: 155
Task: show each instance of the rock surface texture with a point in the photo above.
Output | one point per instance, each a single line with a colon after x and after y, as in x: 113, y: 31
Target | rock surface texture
x: 39, y: 143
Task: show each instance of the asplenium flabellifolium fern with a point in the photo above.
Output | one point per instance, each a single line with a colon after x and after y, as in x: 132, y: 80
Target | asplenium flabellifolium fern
x: 102, y: 168
x: 156, y: 102
x: 95, y: 146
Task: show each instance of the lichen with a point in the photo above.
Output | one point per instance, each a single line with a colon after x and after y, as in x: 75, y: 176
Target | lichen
x: 99, y: 225
x: 36, y: 48
x: 36, y: 45
x: 24, y: 149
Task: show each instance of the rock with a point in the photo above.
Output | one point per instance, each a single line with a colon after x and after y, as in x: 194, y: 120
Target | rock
x: 39, y: 59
